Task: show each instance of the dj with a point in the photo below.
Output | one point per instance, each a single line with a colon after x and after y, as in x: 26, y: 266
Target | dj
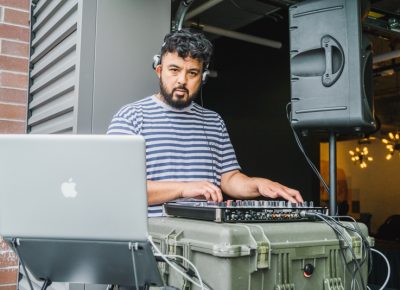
x: 188, y: 150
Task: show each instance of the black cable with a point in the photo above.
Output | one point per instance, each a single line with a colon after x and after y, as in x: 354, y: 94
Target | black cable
x: 214, y: 168
x: 189, y: 272
x: 342, y: 237
x: 367, y: 253
x: 296, y: 137
x: 358, y: 230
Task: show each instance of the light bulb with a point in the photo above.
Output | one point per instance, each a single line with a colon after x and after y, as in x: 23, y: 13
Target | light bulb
x: 391, y: 136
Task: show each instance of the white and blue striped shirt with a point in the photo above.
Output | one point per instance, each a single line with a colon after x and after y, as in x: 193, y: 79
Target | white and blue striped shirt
x: 189, y: 144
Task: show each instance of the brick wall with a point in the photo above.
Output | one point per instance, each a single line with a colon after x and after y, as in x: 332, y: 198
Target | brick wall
x: 14, y: 53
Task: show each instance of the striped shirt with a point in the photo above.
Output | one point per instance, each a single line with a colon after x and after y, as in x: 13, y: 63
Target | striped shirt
x: 189, y: 144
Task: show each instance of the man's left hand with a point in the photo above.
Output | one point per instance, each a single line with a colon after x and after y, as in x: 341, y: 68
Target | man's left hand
x: 272, y: 189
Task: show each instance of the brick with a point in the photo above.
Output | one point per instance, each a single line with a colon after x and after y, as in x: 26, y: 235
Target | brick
x: 13, y: 64
x: 3, y: 245
x: 8, y: 287
x: 8, y: 276
x: 12, y: 127
x: 21, y: 4
x: 13, y: 80
x: 12, y: 112
x: 14, y: 32
x: 8, y: 259
x: 14, y: 48
x: 13, y: 95
x: 16, y: 17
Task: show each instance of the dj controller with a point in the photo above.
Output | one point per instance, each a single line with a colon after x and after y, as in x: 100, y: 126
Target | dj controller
x: 234, y: 211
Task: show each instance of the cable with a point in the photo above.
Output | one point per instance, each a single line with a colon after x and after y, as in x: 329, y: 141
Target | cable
x: 201, y: 285
x: 388, y: 267
x: 367, y: 253
x: 191, y: 264
x: 214, y: 168
x: 358, y: 230
x: 15, y: 247
x: 191, y: 275
x: 134, y: 247
x: 296, y: 137
x: 344, y: 238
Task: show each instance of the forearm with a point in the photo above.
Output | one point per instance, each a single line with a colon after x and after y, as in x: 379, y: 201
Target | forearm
x: 159, y: 192
x: 239, y: 186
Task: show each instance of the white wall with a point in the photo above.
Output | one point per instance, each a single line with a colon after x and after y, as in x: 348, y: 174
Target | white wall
x: 377, y: 187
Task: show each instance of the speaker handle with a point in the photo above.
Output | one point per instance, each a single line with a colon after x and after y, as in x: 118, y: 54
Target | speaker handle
x: 331, y: 46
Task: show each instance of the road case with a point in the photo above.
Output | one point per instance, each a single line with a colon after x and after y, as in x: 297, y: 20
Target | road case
x: 265, y: 256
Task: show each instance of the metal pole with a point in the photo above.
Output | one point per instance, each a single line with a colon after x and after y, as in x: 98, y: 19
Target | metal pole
x: 332, y: 174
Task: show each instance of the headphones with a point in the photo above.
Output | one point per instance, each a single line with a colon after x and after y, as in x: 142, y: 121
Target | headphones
x: 204, y: 76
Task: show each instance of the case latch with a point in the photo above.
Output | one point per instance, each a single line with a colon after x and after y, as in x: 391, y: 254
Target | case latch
x: 333, y: 284
x: 262, y: 255
x: 284, y: 286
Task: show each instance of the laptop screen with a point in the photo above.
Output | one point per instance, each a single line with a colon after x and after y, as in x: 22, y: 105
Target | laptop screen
x: 73, y: 187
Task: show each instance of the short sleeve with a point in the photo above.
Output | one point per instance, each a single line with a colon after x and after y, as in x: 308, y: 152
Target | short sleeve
x: 127, y: 121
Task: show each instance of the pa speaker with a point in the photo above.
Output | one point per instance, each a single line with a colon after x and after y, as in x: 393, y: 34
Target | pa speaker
x: 331, y: 67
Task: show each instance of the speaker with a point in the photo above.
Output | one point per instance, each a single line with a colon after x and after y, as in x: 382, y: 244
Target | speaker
x: 204, y: 76
x: 331, y: 67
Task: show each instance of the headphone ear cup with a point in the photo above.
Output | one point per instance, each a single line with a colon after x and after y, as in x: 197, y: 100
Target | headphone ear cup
x: 204, y: 76
x: 156, y: 61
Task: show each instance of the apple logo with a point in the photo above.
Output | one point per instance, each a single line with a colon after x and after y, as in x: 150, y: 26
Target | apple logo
x: 68, y: 189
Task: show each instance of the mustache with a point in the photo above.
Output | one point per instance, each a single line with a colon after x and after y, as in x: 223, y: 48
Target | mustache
x: 182, y: 87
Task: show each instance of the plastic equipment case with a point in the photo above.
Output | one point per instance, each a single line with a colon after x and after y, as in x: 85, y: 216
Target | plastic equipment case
x: 265, y: 256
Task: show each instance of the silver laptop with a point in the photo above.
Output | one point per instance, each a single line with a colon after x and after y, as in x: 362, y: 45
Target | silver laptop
x: 90, y: 187
x: 74, y: 207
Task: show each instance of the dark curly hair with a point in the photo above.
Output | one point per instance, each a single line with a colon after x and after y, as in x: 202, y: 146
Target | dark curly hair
x: 188, y: 43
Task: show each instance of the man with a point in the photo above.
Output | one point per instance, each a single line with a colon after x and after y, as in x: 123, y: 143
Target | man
x: 188, y: 150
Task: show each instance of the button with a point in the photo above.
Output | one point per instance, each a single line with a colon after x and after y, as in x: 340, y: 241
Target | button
x: 308, y: 270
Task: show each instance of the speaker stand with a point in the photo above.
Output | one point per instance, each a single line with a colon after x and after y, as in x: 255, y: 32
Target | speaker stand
x: 332, y: 173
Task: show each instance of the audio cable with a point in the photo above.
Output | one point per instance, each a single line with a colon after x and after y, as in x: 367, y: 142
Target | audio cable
x: 172, y: 265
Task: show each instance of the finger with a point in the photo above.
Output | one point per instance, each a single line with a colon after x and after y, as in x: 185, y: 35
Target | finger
x: 206, y: 194
x: 282, y: 193
x: 216, y: 195
x: 295, y: 193
x: 216, y: 192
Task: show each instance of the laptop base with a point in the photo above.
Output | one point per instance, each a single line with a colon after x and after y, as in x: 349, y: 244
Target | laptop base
x: 91, y: 262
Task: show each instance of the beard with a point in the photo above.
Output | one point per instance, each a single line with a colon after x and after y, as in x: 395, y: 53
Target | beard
x: 179, y: 103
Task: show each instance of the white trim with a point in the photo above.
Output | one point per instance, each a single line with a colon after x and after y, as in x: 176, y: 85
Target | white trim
x: 14, y: 8
x: 17, y: 25
x: 10, y: 267
x: 12, y: 88
x: 14, y: 72
x: 15, y: 40
x: 12, y: 120
x: 16, y: 56
x: 13, y: 104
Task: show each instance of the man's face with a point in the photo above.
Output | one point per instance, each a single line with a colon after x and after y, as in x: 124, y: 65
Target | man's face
x: 180, y: 79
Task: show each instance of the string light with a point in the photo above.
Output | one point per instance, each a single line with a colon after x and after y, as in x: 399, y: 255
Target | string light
x: 392, y: 144
x: 360, y: 157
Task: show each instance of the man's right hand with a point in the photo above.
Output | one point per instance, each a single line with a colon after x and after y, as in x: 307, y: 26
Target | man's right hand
x: 201, y: 189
